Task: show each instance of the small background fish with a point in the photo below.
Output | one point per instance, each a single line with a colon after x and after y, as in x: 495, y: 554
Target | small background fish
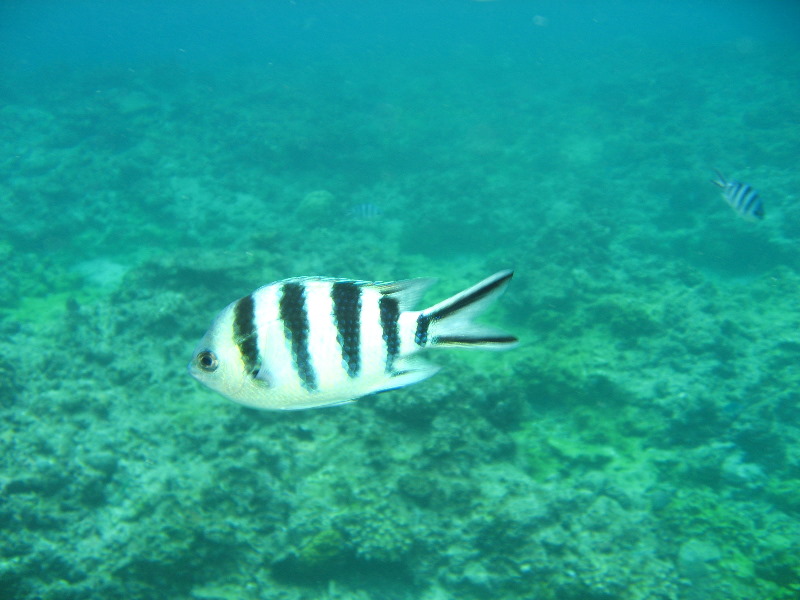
x: 365, y: 211
x: 741, y: 197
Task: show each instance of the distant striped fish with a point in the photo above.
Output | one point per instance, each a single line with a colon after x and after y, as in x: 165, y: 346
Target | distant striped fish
x: 365, y: 211
x: 316, y: 341
x: 741, y: 197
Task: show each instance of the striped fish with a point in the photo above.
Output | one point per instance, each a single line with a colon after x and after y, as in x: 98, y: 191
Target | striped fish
x: 365, y: 211
x: 314, y: 341
x: 741, y: 197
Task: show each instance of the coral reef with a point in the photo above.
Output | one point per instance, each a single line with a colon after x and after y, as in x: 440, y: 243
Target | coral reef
x: 642, y: 442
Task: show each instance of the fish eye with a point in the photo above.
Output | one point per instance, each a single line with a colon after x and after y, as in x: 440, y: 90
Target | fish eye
x: 207, y: 361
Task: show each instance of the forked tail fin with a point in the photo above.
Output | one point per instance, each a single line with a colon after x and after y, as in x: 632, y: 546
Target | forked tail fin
x: 448, y: 324
x: 720, y: 180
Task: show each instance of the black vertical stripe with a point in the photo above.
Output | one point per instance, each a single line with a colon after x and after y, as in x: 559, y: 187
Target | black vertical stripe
x: 739, y: 191
x: 750, y: 201
x: 292, y: 310
x: 346, y: 297
x: 390, y: 313
x: 421, y: 335
x: 245, y: 335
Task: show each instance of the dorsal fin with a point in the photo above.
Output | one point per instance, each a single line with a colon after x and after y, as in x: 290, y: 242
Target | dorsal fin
x: 407, y: 292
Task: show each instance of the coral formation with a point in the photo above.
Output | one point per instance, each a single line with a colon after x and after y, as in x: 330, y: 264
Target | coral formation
x: 643, y: 441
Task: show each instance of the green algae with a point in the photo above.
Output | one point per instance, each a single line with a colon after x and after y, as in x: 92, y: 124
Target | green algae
x: 764, y: 564
x: 322, y: 553
x: 42, y: 309
x: 785, y: 493
x: 584, y: 438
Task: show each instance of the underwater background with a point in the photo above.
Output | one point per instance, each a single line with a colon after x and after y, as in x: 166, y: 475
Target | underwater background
x: 161, y: 159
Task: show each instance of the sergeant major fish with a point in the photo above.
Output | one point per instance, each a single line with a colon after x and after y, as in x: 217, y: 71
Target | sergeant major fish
x: 365, y: 211
x: 307, y: 342
x: 741, y: 197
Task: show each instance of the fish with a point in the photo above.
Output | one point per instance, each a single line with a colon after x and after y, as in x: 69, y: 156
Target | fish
x: 744, y: 200
x: 365, y: 211
x: 308, y: 342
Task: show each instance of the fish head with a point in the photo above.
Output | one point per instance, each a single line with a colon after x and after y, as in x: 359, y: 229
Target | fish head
x: 218, y: 364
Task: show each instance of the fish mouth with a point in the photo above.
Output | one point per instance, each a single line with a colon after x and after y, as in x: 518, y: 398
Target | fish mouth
x: 193, y: 371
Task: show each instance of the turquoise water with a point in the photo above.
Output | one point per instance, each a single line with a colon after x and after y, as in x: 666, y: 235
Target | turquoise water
x: 160, y: 160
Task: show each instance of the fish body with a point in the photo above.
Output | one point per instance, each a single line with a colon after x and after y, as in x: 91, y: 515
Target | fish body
x: 307, y: 342
x: 741, y: 197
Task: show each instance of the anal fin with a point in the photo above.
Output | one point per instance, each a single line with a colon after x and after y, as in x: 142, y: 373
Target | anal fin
x: 408, y: 372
